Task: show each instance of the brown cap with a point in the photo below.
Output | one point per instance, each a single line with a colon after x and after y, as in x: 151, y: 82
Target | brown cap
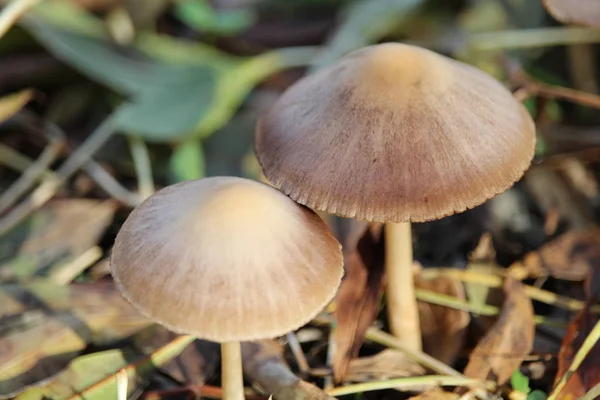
x: 226, y: 259
x: 395, y: 133
x: 576, y: 12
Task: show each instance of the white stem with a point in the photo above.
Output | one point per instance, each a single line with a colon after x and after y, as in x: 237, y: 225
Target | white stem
x: 403, y: 314
x: 231, y: 371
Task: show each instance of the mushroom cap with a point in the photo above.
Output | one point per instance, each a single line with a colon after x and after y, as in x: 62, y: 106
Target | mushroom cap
x: 394, y: 133
x: 577, y: 12
x: 226, y: 259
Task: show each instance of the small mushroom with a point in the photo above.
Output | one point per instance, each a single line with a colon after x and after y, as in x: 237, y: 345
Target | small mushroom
x: 395, y: 133
x: 226, y: 259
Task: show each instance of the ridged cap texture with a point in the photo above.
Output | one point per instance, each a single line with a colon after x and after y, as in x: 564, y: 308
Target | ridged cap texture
x: 226, y: 259
x: 395, y: 133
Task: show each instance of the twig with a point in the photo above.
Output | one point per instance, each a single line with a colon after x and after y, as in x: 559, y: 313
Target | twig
x: 593, y: 393
x: 589, y: 342
x: 31, y: 175
x: 49, y: 187
x: 425, y: 360
x: 143, y: 167
x: 66, y: 273
x: 483, y: 309
x: 13, y: 12
x: 407, y: 383
x: 558, y: 92
x: 541, y: 295
x: 298, y: 353
x: 531, y: 38
x: 110, y: 185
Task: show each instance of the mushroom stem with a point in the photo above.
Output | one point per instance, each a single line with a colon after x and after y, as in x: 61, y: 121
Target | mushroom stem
x: 232, y: 378
x: 403, y: 314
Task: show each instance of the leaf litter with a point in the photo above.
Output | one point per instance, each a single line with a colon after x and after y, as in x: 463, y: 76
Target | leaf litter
x: 184, y: 72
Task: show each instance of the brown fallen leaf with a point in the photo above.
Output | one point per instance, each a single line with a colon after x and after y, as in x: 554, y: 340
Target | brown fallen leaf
x: 263, y: 363
x: 576, y: 12
x: 43, y: 326
x: 60, y: 232
x: 443, y: 328
x: 357, y: 301
x: 501, y: 351
x: 569, y: 257
x: 387, y: 364
x: 588, y: 373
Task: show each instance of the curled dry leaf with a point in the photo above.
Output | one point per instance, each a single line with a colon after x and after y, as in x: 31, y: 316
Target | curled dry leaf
x: 44, y: 326
x: 577, y: 12
x: 503, y: 348
x: 263, y: 363
x: 588, y: 373
x: 570, y: 257
x: 443, y: 328
x: 357, y: 301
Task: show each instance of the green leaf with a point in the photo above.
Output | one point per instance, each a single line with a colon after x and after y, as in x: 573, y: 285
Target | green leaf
x: 365, y: 22
x: 187, y: 161
x: 537, y: 395
x: 199, y: 15
x: 520, y: 382
x: 171, y: 106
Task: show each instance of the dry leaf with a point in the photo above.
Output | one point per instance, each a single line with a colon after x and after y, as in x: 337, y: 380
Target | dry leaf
x: 60, y: 232
x: 263, y: 363
x: 197, y: 363
x: 503, y: 348
x: 12, y: 103
x: 43, y: 326
x: 569, y: 257
x: 443, y: 328
x: 357, y: 302
x: 588, y: 373
x: 436, y: 394
x: 576, y: 12
x: 387, y: 364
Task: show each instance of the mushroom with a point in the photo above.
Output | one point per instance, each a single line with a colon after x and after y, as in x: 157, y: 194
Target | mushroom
x: 226, y: 259
x: 397, y: 134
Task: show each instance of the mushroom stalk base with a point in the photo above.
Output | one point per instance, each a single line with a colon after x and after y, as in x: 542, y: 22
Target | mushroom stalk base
x: 403, y: 314
x: 231, y: 371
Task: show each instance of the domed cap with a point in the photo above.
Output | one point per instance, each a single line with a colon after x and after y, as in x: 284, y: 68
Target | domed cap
x: 395, y: 133
x: 226, y: 259
x: 577, y: 12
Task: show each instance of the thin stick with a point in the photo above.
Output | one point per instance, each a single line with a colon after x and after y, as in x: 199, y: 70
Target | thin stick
x: 231, y: 371
x: 558, y: 92
x: 66, y: 273
x: 425, y: 360
x: 403, y: 314
x: 49, y: 188
x: 406, y: 383
x: 590, y: 341
x: 143, y: 167
x: 31, y: 175
x: 298, y: 353
x: 534, y: 293
x: 13, y: 12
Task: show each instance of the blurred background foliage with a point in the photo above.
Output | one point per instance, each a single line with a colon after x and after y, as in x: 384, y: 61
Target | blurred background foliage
x: 104, y: 101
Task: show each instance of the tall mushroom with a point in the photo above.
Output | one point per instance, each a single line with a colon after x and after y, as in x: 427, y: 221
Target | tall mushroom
x: 395, y: 133
x: 228, y: 260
